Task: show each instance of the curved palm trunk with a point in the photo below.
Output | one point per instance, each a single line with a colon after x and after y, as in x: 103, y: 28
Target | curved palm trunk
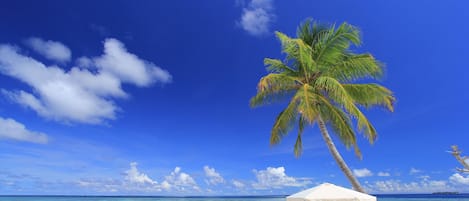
x: 338, y: 158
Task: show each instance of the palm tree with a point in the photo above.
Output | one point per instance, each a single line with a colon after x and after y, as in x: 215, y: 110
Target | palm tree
x: 461, y: 159
x: 317, y: 77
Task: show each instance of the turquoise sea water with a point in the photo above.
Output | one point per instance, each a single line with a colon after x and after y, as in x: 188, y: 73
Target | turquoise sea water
x: 461, y: 197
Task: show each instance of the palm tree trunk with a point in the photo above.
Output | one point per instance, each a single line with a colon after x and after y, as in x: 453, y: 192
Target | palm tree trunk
x: 338, y: 158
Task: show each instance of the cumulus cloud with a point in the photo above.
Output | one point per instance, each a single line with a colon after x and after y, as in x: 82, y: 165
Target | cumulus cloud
x: 179, y: 181
x: 238, y: 184
x: 414, y: 171
x: 52, y: 50
x: 362, y: 172
x: 425, y: 177
x: 213, y: 177
x: 84, y: 94
x: 134, y: 176
x: 128, y: 67
x: 84, y: 62
x: 13, y: 130
x: 276, y: 178
x: 133, y: 181
x: 384, y: 174
x: 136, y: 181
x: 459, y: 179
x: 257, y: 17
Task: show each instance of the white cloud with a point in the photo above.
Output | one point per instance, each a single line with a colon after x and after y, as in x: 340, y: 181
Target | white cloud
x: 396, y: 186
x: 425, y: 184
x: 136, y: 181
x: 128, y: 67
x: 362, y: 172
x: 52, y: 50
x: 84, y: 62
x: 13, y: 130
x: 277, y: 178
x: 102, y: 185
x: 459, y: 179
x: 134, y: 176
x: 384, y: 174
x: 424, y: 177
x: 238, y: 184
x: 414, y: 171
x: 213, y: 177
x: 179, y: 181
x: 82, y: 94
x: 166, y: 185
x: 257, y: 17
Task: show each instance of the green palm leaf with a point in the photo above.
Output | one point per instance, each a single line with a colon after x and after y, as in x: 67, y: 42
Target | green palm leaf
x: 277, y: 66
x: 332, y: 45
x: 298, y: 148
x: 336, y: 92
x: 369, y: 95
x: 273, y: 88
x: 285, y: 120
x: 353, y: 67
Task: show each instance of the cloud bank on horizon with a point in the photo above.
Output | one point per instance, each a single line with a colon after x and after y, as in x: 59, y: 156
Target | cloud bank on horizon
x: 455, y: 183
x: 181, y: 182
x: 135, y: 180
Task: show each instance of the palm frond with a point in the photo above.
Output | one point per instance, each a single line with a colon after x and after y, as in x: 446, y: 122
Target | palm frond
x: 338, y: 120
x: 307, y: 104
x: 272, y: 88
x: 277, y: 66
x: 357, y: 151
x: 298, y: 148
x: 353, y: 67
x: 288, y: 45
x: 305, y: 57
x: 332, y: 45
x: 266, y: 98
x: 299, y: 53
x: 310, y: 31
x: 284, y: 121
x: 336, y: 92
x: 369, y: 95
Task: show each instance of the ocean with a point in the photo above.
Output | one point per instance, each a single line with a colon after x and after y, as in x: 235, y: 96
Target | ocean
x: 413, y: 197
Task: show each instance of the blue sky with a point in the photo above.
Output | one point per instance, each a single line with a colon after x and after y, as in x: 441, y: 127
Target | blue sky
x: 151, y: 97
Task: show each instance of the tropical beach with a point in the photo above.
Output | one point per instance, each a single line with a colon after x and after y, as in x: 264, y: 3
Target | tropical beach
x: 242, y: 100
